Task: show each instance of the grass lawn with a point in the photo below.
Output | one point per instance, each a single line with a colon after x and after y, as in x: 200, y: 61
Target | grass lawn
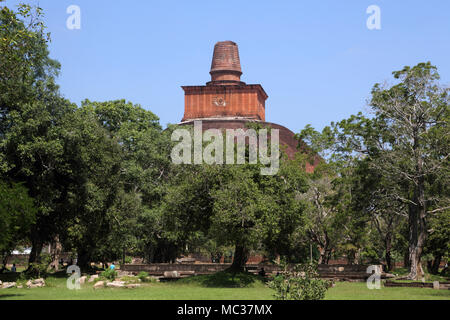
x: 359, y: 291
x: 213, y: 287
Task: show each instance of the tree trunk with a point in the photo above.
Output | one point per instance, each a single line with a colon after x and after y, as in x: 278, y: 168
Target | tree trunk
x: 435, y: 265
x: 5, y: 257
x: 406, y: 259
x: 417, y: 213
x: 417, y: 232
x: 83, y: 260
x: 56, y: 253
x: 322, y: 255
x: 388, y: 258
x: 445, y: 270
x: 35, y: 254
x: 357, y: 257
x: 325, y: 255
x: 328, y: 256
x: 241, y: 255
x: 324, y: 250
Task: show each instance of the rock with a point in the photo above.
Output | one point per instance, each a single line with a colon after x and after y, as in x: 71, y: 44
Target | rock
x: 20, y: 287
x: 1, y: 282
x: 36, y: 283
x: 132, y: 285
x: 99, y: 284
x: 8, y: 285
x: 82, y: 280
x: 436, y: 285
x: 340, y: 269
x: 171, y: 274
x: 92, y: 278
x: 124, y: 273
x: 116, y: 284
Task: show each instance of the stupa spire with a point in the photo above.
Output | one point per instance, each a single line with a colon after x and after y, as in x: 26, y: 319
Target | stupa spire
x: 226, y: 65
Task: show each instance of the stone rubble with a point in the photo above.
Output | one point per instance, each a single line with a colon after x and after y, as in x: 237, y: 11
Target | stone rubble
x: 36, y: 283
x: 116, y: 284
x: 8, y: 285
x: 92, y: 278
x: 82, y: 280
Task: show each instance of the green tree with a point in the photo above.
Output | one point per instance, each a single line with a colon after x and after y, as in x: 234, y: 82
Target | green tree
x: 234, y: 205
x: 414, y: 114
x: 407, y: 143
x: 17, y: 214
x: 121, y: 160
x: 437, y: 247
x: 25, y: 65
x: 31, y: 113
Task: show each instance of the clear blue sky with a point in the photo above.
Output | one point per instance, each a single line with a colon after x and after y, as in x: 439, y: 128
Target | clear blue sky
x: 316, y: 59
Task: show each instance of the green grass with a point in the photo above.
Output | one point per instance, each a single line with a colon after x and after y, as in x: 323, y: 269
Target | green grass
x: 220, y: 286
x: 191, y: 290
x: 399, y: 272
x: 225, y: 280
x: 359, y: 291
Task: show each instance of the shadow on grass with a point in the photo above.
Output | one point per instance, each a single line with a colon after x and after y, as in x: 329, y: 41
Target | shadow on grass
x: 59, y: 274
x: 223, y: 280
x: 5, y: 296
x: 10, y: 276
x: 16, y: 276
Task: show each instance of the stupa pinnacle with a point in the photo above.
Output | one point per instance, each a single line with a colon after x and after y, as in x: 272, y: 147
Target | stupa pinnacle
x: 228, y: 103
x: 225, y: 96
x: 226, y: 65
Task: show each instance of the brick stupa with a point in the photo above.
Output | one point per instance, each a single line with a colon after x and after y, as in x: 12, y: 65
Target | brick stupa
x: 228, y: 103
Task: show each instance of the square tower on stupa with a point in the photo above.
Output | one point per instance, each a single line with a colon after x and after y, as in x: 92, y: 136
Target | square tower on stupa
x: 228, y: 103
x: 225, y: 96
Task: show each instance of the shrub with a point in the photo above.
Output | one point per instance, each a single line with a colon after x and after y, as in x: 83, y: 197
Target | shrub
x: 22, y: 279
x: 128, y: 259
x: 39, y: 270
x: 109, y: 274
x: 302, y: 283
x: 143, y: 276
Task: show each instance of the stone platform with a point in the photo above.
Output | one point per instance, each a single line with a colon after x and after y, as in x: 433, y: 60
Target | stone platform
x: 332, y: 272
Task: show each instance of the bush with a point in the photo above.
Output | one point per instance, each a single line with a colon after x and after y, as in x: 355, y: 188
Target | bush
x: 302, y: 283
x: 109, y: 274
x: 38, y: 270
x: 143, y: 276
x: 22, y: 279
x: 128, y: 259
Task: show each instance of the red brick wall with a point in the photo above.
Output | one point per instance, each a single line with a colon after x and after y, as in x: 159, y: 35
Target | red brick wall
x: 286, y: 136
x: 238, y: 101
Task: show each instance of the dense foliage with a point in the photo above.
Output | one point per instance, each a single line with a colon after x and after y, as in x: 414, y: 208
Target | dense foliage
x: 302, y: 282
x: 97, y: 180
